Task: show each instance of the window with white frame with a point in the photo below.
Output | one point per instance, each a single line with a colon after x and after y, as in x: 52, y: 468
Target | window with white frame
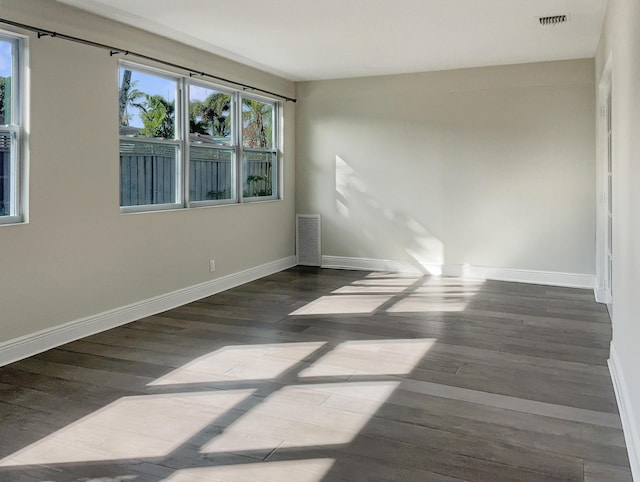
x: 258, y: 148
x: 185, y: 142
x: 212, y: 144
x: 11, y: 150
x: 150, y: 141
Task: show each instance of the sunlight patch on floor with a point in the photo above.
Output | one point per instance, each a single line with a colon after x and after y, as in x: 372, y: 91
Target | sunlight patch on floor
x: 427, y: 304
x: 372, y: 357
x: 308, y: 470
x: 395, y: 293
x: 132, y: 427
x: 296, y: 416
x: 391, y: 275
x: 343, y: 304
x: 397, y: 280
x: 243, y: 362
x: 359, y: 289
x: 437, y: 295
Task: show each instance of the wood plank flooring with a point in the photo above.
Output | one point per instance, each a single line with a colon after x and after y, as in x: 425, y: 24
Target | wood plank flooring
x: 326, y: 375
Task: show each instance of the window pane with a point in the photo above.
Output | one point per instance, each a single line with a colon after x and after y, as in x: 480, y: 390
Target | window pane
x: 211, y: 174
x: 257, y: 124
x: 259, y: 174
x: 6, y: 74
x: 209, y: 116
x: 6, y: 146
x: 147, y: 105
x: 147, y: 173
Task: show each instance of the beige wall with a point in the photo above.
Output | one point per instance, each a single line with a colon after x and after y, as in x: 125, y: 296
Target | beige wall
x: 78, y: 255
x: 488, y: 167
x: 620, y: 42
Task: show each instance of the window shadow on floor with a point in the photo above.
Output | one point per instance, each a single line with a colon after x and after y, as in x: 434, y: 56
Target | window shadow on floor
x: 313, y: 375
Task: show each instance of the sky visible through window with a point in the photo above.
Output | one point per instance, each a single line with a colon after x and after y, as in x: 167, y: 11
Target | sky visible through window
x: 212, y: 117
x: 6, y: 73
x: 142, y: 82
x: 5, y: 59
x: 147, y: 84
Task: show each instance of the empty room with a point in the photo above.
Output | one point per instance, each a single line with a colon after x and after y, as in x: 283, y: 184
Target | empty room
x: 348, y: 240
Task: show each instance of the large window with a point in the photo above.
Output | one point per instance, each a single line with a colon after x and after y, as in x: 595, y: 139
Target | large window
x: 184, y: 142
x: 10, y: 129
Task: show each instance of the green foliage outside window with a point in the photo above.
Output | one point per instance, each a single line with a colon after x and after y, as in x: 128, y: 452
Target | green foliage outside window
x: 211, y: 116
x: 5, y: 100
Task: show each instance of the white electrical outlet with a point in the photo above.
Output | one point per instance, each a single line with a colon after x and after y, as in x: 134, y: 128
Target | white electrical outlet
x: 212, y: 265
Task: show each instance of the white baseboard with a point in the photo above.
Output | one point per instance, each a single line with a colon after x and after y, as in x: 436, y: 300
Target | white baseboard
x: 631, y: 429
x: 32, y: 344
x: 600, y: 293
x: 366, y: 264
x: 552, y: 278
x: 602, y: 296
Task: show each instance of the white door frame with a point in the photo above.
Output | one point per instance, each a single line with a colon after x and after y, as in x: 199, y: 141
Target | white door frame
x: 604, y: 190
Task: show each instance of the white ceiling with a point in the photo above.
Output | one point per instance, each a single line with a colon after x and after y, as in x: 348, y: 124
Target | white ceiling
x: 321, y: 39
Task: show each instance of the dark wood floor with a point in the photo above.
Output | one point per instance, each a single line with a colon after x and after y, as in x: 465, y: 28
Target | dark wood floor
x: 311, y: 375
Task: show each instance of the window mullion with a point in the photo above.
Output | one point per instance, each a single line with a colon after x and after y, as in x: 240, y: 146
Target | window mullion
x: 238, y: 143
x: 186, y: 142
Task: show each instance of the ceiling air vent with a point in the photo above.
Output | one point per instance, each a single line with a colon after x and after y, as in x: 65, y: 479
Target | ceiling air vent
x: 553, y: 20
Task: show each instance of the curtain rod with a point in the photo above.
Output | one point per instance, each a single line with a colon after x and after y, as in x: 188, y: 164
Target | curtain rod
x: 117, y: 50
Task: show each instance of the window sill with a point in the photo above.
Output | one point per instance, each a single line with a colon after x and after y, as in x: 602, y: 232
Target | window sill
x: 12, y: 221
x: 153, y: 209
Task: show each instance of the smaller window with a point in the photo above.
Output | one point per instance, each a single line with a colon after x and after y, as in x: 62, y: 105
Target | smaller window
x: 259, y: 150
x: 149, y: 140
x: 10, y: 130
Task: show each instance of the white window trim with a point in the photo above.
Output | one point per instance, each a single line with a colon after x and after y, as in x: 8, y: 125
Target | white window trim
x: 231, y: 147
x: 275, y: 175
x: 19, y: 109
x: 177, y: 141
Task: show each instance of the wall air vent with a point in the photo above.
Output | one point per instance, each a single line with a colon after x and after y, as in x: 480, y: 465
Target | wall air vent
x: 308, y: 235
x: 553, y: 20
